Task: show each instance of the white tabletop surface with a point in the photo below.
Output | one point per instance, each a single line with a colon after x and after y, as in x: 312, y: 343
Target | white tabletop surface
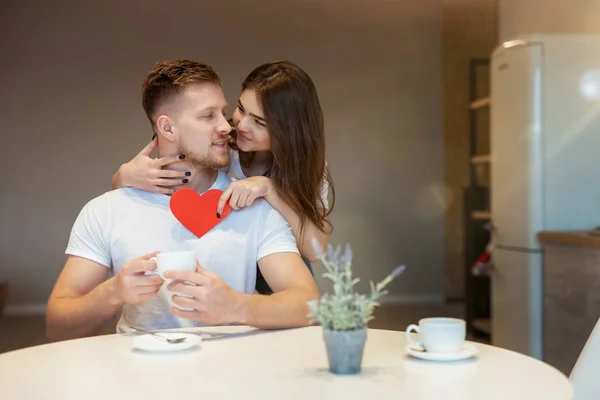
x: 242, y: 363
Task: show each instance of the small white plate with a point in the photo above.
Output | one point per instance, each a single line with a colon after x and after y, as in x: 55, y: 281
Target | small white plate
x: 468, y: 351
x: 150, y: 343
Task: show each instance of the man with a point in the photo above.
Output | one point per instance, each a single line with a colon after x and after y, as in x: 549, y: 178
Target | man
x: 121, y: 230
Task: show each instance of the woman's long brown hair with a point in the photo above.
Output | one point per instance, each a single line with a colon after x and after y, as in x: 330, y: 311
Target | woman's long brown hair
x: 294, y: 119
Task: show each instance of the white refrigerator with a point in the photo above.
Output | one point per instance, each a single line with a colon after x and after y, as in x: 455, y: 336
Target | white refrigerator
x: 545, y: 169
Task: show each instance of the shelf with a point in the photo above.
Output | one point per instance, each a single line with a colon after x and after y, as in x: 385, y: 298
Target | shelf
x: 481, y: 215
x: 481, y: 159
x: 480, y: 103
x: 483, y: 325
x: 476, y: 204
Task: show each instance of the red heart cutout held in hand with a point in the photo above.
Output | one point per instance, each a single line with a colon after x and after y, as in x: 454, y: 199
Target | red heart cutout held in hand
x: 198, y: 213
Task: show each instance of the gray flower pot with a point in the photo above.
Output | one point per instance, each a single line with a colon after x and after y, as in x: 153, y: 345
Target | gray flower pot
x: 345, y: 350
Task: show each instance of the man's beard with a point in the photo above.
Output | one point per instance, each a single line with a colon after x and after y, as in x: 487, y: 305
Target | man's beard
x: 211, y: 162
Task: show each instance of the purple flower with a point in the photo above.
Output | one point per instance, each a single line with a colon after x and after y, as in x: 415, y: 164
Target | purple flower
x: 331, y: 253
x: 398, y: 271
x: 347, y: 258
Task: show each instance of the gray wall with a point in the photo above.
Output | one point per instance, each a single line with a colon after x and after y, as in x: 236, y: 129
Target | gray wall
x: 71, y: 114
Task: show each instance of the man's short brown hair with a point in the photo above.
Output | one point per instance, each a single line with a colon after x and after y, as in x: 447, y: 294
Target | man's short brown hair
x: 169, y: 78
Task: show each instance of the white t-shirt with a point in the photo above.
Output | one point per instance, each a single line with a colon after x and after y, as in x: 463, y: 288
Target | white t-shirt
x: 236, y: 172
x: 127, y: 223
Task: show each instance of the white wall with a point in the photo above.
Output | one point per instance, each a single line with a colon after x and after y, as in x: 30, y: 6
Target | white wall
x: 71, y: 114
x: 519, y: 17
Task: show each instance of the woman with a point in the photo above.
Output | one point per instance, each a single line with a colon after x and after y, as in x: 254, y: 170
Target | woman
x: 278, y: 153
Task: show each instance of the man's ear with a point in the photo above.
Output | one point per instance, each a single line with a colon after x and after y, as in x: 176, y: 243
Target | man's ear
x: 165, y: 128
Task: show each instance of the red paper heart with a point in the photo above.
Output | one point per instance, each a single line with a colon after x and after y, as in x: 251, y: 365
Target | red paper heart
x: 198, y: 213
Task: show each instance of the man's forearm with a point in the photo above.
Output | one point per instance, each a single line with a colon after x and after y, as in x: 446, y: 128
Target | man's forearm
x: 76, y: 317
x: 286, y: 309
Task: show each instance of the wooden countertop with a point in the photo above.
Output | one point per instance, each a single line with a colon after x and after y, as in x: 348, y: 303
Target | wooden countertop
x: 589, y: 238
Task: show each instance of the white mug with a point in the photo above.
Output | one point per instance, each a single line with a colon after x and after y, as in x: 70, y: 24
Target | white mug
x: 174, y: 261
x: 439, y: 335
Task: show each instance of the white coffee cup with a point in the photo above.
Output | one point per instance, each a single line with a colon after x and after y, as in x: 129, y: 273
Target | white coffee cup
x: 174, y: 261
x: 439, y: 335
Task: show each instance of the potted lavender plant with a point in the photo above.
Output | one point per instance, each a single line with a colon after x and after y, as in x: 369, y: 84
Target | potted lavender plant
x: 344, y: 314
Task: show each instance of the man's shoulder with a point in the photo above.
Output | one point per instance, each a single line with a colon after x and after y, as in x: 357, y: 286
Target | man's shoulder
x: 135, y: 193
x: 119, y: 197
x: 103, y: 199
x: 115, y: 194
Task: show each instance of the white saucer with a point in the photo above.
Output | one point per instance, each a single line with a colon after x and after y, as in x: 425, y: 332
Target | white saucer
x: 468, y: 351
x: 153, y: 344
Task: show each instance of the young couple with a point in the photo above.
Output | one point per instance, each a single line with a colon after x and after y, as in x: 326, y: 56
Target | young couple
x: 278, y: 200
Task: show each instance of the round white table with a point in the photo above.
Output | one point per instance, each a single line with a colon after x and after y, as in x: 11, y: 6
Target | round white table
x: 243, y: 363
